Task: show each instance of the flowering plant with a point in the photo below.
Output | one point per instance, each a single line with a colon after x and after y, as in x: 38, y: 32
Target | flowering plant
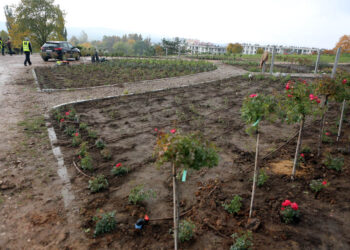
x: 290, y: 212
x: 119, y: 170
x: 257, y: 107
x: 318, y: 185
x: 299, y: 101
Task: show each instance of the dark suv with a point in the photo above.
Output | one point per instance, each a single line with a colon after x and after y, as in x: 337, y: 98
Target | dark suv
x: 59, y: 50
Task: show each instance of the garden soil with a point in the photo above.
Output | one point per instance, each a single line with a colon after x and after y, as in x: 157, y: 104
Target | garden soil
x: 33, y: 212
x: 127, y: 126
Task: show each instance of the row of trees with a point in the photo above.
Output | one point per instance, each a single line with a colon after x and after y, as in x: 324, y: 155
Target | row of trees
x: 131, y: 45
x: 39, y: 20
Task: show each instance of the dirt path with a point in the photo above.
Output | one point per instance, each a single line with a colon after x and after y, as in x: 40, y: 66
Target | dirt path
x: 32, y: 211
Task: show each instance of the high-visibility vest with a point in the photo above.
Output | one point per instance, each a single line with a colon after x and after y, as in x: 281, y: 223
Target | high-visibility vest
x: 0, y: 44
x: 26, y: 46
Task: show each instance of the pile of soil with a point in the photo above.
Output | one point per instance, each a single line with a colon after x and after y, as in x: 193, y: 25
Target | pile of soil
x: 126, y: 124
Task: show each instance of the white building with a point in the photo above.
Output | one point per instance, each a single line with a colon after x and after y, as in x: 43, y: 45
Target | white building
x: 197, y: 47
x: 250, y: 49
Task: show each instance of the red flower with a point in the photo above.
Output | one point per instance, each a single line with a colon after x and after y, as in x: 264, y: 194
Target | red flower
x: 62, y: 120
x: 118, y: 165
x: 173, y: 131
x: 302, y: 155
x: 146, y: 217
x: 324, y: 183
x: 294, y: 206
x: 79, y: 156
x: 327, y: 133
x: 76, y: 134
x: 67, y: 113
x: 282, y: 208
x: 253, y: 95
x: 287, y: 86
x: 156, y: 129
x: 286, y: 203
x: 290, y: 95
x: 318, y: 100
x: 304, y: 81
x: 344, y: 81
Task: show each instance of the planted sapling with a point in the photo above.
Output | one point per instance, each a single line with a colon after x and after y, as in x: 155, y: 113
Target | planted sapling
x: 98, y: 183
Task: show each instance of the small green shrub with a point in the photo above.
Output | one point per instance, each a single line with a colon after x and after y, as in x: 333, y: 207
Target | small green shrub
x: 86, y: 162
x: 118, y: 170
x: 100, y: 144
x: 138, y: 194
x: 105, y: 224
x: 262, y: 178
x: 335, y: 163
x: 83, y: 149
x: 244, y: 241
x: 318, y: 185
x: 98, y: 183
x: 106, y: 154
x: 92, y: 134
x: 76, y: 141
x: 69, y: 130
x: 186, y: 230
x: 259, y: 77
x: 306, y: 150
x: 83, y: 126
x: 326, y: 139
x: 234, y: 206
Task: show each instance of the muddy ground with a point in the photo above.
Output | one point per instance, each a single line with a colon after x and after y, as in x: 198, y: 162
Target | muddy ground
x: 31, y: 205
x: 127, y: 126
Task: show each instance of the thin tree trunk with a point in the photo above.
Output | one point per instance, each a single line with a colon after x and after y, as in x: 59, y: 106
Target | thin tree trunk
x: 341, y: 119
x: 296, y: 157
x: 322, y: 127
x: 175, y: 208
x: 255, y: 174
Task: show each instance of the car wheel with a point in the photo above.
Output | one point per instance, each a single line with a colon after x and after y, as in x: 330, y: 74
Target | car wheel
x: 45, y: 59
x: 77, y: 58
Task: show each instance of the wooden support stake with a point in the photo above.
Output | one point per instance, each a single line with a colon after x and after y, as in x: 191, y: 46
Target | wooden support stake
x: 255, y: 174
x: 175, y: 208
x: 322, y: 127
x: 334, y: 71
x: 272, y: 60
x: 317, y: 61
x: 296, y: 157
x: 341, y: 119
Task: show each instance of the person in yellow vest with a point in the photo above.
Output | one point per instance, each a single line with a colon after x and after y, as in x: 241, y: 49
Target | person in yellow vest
x: 27, y: 49
x: 2, y: 46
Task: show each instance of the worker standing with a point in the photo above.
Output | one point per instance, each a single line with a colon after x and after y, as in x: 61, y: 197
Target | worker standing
x: 9, y: 47
x: 27, y: 49
x: 2, y: 47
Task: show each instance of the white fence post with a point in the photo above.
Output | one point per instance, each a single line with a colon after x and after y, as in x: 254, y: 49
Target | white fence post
x: 317, y: 61
x: 272, y: 59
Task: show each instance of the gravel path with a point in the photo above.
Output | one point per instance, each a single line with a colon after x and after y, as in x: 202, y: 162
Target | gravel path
x: 223, y: 71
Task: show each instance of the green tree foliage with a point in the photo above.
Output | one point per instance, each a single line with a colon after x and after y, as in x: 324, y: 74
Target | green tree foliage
x: 42, y: 18
x: 189, y: 151
x: 257, y: 107
x: 260, y: 51
x: 235, y: 48
x: 174, y: 45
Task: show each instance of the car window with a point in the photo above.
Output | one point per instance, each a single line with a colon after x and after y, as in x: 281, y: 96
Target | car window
x: 50, y: 45
x: 70, y: 45
x: 65, y: 45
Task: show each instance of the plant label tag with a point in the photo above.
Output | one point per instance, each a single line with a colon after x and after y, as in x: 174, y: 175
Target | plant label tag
x: 184, y: 174
x: 256, y: 123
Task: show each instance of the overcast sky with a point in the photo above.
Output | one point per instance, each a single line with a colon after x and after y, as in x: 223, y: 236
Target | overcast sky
x: 312, y: 23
